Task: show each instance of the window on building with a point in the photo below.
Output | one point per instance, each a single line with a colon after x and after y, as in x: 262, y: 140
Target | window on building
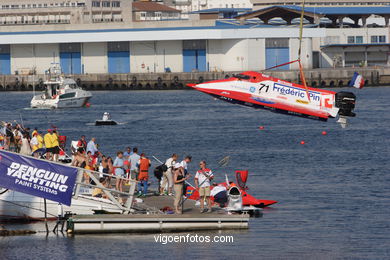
x: 355, y: 39
x: 106, y: 4
x: 116, y: 4
x: 351, y: 39
x: 378, y: 38
x: 95, y: 4
x: 359, y: 39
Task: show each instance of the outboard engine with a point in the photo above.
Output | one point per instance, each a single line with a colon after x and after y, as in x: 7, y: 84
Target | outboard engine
x: 234, y: 199
x: 345, y: 101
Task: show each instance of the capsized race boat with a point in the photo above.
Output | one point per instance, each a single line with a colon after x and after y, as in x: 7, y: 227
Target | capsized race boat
x: 259, y: 90
x: 247, y: 199
x: 60, y: 92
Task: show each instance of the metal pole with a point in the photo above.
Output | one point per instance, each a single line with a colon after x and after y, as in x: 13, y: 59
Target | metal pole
x: 47, y: 227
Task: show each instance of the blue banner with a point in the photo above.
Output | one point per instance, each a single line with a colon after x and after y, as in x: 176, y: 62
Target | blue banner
x: 37, y: 177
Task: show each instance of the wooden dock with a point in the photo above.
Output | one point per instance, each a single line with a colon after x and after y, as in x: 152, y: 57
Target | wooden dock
x: 156, y: 221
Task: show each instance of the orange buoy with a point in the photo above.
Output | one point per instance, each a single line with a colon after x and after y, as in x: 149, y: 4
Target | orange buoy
x: 302, y: 142
x: 324, y: 133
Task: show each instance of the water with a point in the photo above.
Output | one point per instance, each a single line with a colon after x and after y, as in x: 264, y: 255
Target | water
x: 333, y: 192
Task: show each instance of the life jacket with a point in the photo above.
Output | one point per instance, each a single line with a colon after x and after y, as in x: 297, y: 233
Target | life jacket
x: 54, y: 140
x: 144, y: 165
x: 62, y: 140
x: 48, y: 140
x: 82, y: 144
x: 40, y: 141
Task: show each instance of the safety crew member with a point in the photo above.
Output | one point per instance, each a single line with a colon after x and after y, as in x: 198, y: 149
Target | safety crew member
x: 144, y: 164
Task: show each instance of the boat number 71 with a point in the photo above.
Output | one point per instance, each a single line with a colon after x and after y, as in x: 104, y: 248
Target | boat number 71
x: 262, y: 85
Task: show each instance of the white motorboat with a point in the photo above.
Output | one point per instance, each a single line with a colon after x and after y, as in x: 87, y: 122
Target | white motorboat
x: 16, y: 206
x: 106, y: 120
x: 60, y: 92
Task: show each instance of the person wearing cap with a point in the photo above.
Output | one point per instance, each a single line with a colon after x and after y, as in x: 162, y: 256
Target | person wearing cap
x: 48, y: 144
x: 179, y: 179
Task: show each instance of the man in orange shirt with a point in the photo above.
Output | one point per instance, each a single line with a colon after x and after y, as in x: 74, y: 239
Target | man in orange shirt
x: 143, y: 165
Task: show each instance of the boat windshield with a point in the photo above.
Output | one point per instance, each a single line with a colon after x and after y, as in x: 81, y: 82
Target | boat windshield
x: 241, y: 76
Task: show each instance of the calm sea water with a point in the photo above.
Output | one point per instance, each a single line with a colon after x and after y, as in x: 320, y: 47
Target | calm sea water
x: 333, y: 192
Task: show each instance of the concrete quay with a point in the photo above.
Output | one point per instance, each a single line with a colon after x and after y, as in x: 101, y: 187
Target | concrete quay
x: 337, y: 77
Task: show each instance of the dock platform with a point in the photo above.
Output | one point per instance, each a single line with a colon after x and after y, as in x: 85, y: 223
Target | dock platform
x: 143, y: 223
x: 157, y: 221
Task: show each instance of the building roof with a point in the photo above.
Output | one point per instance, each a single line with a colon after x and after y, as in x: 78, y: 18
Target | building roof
x: 152, y: 7
x: 344, y: 45
x: 361, y: 10
x: 293, y: 11
x: 222, y: 10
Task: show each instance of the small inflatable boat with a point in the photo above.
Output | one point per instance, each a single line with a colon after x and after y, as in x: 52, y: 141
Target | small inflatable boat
x: 106, y: 120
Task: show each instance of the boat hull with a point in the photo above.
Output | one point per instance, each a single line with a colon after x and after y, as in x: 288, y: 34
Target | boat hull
x: 60, y: 103
x: 105, y: 122
x: 16, y: 206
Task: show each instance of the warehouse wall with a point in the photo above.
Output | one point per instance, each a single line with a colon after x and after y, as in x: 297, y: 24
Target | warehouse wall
x: 22, y: 57
x: 149, y: 56
x: 45, y: 54
x: 94, y: 57
x: 306, y: 55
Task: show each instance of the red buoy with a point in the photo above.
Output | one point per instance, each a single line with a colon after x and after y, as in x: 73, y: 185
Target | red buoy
x: 324, y: 133
x: 302, y: 142
x: 261, y: 127
x: 87, y: 105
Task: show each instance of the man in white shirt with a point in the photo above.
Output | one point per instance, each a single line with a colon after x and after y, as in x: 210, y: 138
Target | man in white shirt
x: 219, y: 192
x: 168, y: 175
x: 184, y: 164
x: 202, y: 183
x: 133, y: 159
x: 91, y: 146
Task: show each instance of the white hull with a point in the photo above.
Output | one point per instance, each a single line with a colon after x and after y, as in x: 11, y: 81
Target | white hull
x: 19, y: 206
x: 59, y: 103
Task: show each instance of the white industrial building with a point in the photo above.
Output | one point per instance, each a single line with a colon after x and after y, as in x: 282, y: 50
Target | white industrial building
x: 187, y: 46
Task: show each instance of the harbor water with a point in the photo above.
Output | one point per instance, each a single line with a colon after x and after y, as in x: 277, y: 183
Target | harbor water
x: 333, y: 191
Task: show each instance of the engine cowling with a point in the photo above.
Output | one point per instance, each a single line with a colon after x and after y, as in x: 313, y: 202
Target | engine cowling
x: 345, y: 101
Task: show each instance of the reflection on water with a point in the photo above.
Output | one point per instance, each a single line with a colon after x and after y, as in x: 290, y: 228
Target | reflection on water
x: 333, y: 191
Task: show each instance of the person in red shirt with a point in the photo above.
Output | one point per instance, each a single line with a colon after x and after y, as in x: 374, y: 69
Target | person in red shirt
x: 82, y: 143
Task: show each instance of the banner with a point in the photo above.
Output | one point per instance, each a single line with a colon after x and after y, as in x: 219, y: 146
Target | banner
x: 36, y: 177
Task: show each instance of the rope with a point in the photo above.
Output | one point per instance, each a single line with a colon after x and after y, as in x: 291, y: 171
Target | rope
x: 280, y: 65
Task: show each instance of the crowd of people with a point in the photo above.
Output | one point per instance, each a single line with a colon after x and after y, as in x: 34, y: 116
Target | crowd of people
x: 16, y: 138
x: 127, y: 165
